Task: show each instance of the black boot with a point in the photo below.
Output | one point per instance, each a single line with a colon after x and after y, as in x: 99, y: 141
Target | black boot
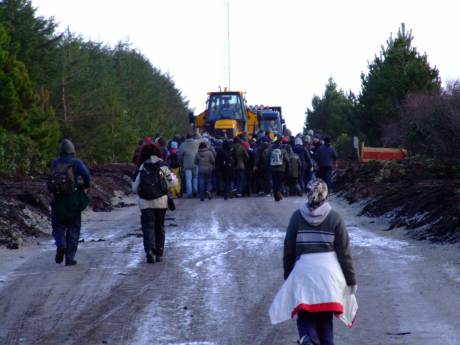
x: 60, y: 252
x: 150, y: 257
x: 70, y: 262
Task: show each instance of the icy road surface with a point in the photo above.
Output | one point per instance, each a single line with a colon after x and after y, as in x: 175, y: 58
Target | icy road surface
x: 222, y: 268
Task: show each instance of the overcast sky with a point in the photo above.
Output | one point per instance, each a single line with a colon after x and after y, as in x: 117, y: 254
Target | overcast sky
x: 281, y: 51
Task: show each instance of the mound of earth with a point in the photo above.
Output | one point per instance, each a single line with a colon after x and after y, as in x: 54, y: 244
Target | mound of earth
x: 421, y: 195
x: 24, y: 204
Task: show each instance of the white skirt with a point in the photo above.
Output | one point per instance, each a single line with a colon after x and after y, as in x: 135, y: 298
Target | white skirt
x: 316, y: 284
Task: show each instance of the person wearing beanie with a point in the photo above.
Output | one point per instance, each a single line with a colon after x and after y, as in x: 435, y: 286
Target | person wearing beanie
x: 318, y: 270
x: 69, y: 181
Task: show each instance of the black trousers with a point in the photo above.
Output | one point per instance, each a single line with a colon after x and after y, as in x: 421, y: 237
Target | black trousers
x: 153, y: 229
x: 278, y: 181
x: 325, y: 173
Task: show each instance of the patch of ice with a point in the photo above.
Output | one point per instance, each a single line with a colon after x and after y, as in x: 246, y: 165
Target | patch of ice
x: 362, y: 238
x: 213, y: 257
x: 134, y: 260
x: 452, y: 272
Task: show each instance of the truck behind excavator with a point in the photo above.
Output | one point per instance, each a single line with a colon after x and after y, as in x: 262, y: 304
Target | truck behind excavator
x: 227, y: 115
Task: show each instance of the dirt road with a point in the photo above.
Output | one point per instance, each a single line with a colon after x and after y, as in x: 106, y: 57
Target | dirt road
x: 221, y: 271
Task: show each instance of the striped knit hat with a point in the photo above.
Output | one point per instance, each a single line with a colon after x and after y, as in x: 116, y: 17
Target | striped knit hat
x: 316, y: 193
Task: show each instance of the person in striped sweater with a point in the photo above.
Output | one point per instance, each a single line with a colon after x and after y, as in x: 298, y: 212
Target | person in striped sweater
x: 316, y: 231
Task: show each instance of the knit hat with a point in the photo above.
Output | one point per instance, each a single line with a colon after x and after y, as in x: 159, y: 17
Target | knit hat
x: 316, y: 193
x: 174, y: 144
x: 66, y: 147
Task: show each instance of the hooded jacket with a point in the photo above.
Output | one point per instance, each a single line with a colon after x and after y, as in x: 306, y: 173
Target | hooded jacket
x: 318, y: 231
x: 187, y: 152
x: 66, y: 207
x: 205, y: 160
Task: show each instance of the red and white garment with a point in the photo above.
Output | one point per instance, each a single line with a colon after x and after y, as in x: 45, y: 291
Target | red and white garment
x: 316, y: 284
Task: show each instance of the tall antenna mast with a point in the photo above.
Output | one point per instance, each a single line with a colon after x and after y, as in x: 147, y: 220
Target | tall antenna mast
x: 227, y: 7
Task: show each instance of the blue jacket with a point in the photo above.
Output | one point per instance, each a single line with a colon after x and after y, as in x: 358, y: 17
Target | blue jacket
x: 66, y: 207
x: 325, y: 156
x: 79, y: 168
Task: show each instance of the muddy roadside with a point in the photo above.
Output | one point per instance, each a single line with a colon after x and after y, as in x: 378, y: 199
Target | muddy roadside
x: 24, y: 203
x: 420, y: 195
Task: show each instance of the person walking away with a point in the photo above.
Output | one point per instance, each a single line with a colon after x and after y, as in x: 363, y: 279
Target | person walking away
x: 187, y: 153
x: 318, y: 271
x: 152, y: 184
x: 294, y: 172
x: 69, y: 181
x: 279, y: 165
x: 210, y: 144
x: 305, y: 162
x: 264, y: 166
x: 241, y: 157
x: 249, y: 169
x: 174, y: 166
x: 205, y: 162
x: 225, y: 164
x: 326, y: 158
x: 217, y: 176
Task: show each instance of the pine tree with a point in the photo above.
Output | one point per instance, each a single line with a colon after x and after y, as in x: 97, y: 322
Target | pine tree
x: 398, y: 71
x: 25, y: 115
x: 33, y: 39
x: 331, y: 114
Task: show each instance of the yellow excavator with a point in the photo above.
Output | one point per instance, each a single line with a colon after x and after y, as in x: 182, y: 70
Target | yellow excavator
x: 226, y: 116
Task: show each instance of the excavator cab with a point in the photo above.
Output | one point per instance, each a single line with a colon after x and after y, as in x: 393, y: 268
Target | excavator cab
x: 226, y: 114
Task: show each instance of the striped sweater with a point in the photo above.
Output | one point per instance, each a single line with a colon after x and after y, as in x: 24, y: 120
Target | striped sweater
x: 330, y: 235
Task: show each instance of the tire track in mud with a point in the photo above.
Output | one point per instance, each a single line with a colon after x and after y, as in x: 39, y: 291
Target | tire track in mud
x: 222, y: 268
x: 224, y: 294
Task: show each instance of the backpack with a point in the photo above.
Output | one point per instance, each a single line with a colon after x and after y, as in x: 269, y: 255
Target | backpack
x: 276, y: 157
x: 62, y: 180
x: 264, y: 161
x: 152, y: 182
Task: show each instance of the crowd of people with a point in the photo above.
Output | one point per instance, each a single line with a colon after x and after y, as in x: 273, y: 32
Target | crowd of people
x: 206, y: 166
x: 318, y: 266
